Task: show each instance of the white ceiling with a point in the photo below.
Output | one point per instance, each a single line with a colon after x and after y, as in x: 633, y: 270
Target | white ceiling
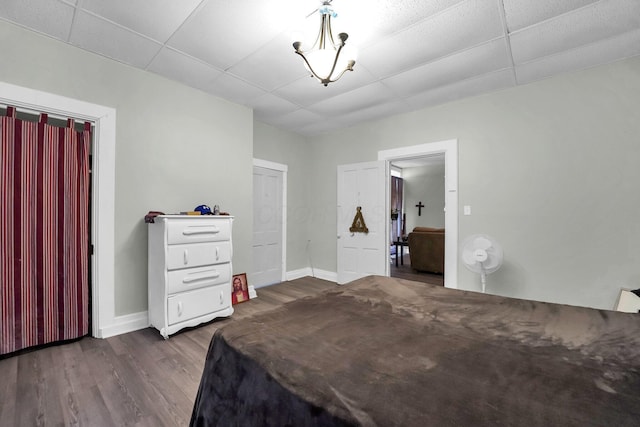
x: 412, y: 53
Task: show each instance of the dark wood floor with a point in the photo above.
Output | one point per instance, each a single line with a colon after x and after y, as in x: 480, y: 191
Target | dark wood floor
x: 404, y: 271
x: 134, y: 379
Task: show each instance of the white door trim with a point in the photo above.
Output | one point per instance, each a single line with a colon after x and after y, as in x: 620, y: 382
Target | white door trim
x: 450, y: 150
x: 281, y: 168
x: 103, y: 185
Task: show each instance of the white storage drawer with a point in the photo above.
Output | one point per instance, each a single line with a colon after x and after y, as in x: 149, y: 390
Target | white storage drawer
x: 203, y: 230
x: 189, y: 305
x: 198, y: 254
x: 193, y: 278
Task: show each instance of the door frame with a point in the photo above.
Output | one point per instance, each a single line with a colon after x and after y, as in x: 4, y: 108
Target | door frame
x: 284, y: 169
x: 103, y: 319
x: 450, y: 150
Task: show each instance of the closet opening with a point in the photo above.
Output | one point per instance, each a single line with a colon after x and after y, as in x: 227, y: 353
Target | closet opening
x: 46, y: 167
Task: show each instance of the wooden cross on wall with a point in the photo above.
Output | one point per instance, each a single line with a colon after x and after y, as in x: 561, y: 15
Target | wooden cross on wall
x: 419, y: 206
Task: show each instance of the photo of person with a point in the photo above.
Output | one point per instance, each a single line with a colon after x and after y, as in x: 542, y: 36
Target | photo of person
x: 239, y: 290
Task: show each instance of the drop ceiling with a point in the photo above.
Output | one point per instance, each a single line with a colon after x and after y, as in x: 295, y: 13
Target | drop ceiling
x: 412, y: 53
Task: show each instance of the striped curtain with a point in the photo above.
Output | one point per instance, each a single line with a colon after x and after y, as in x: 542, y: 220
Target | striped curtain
x: 44, y: 232
x: 397, y: 193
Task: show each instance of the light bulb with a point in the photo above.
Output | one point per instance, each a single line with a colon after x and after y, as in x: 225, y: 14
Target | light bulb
x: 321, y: 61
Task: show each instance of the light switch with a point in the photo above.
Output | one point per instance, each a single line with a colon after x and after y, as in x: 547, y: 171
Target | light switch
x: 467, y: 210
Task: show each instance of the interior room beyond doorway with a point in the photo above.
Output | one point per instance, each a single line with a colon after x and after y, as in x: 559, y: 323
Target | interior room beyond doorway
x: 417, y: 199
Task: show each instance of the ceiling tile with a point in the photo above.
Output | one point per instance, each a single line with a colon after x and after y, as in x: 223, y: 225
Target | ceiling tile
x: 307, y: 90
x: 458, y: 28
x: 491, y: 56
x: 374, y: 112
x: 623, y: 46
x: 122, y: 45
x: 49, y: 17
x: 383, y: 17
x: 224, y: 32
x: 296, y: 119
x: 268, y: 106
x: 159, y: 21
x: 271, y: 66
x: 523, y: 13
x: 602, y: 20
x: 356, y: 99
x: 178, y: 66
x: 231, y: 88
x: 467, y: 88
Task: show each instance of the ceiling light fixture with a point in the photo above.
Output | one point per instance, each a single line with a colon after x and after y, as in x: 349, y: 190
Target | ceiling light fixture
x: 327, y: 60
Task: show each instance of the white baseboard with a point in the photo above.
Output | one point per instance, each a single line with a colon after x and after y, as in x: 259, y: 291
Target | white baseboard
x: 320, y: 274
x: 330, y: 276
x: 123, y: 324
x: 296, y: 274
x: 135, y: 321
x: 252, y: 292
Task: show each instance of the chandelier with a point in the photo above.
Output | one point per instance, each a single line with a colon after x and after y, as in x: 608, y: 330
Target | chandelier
x: 327, y: 60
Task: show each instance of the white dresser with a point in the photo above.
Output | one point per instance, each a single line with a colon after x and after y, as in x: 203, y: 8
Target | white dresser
x: 189, y: 271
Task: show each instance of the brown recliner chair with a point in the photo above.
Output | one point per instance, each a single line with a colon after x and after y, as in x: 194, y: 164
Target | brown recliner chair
x: 426, y: 249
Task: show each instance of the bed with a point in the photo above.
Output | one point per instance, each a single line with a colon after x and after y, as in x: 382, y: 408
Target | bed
x: 388, y: 352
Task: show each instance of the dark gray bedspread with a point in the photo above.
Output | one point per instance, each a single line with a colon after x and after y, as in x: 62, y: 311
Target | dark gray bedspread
x: 389, y: 352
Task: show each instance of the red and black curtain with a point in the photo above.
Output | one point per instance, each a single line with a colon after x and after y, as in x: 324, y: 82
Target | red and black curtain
x: 44, y: 232
x: 397, y: 217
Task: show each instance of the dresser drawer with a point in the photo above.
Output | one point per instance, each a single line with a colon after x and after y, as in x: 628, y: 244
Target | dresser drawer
x: 204, y: 230
x: 192, y: 304
x: 198, y: 254
x: 194, y: 278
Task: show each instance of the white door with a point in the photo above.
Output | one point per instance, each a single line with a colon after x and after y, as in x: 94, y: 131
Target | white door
x: 267, y: 226
x: 362, y: 185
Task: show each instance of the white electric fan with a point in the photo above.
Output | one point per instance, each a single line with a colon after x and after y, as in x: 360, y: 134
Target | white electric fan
x: 481, y: 254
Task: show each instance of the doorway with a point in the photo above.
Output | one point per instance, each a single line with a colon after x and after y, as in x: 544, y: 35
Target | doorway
x: 421, y: 204
x: 448, y: 149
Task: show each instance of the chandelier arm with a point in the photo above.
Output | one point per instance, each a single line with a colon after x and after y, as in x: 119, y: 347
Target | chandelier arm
x: 322, y: 36
x: 350, y: 68
x: 333, y: 67
x: 310, y: 67
x: 326, y: 80
x: 329, y: 32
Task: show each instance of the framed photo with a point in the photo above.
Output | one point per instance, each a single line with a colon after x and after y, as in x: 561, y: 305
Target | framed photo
x: 239, y: 289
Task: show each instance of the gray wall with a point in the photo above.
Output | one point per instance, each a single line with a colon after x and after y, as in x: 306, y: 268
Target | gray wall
x: 424, y: 184
x: 289, y: 149
x: 176, y: 147
x: 550, y: 170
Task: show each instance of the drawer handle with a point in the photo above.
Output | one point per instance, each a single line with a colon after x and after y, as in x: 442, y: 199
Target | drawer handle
x: 217, y: 253
x: 207, y: 276
x: 185, y: 255
x: 202, y: 230
x: 221, y: 297
x: 179, y: 308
